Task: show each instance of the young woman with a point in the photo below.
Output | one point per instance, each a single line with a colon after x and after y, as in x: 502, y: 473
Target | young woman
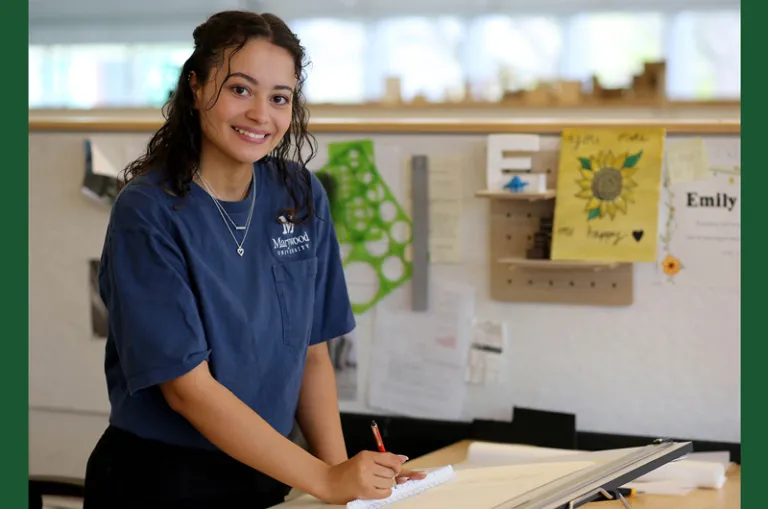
x: 222, y: 277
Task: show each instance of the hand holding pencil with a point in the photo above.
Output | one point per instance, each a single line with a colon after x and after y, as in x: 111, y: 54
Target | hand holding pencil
x: 367, y: 475
x: 404, y: 474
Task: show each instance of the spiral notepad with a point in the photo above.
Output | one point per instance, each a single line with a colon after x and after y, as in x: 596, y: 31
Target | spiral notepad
x: 408, y: 489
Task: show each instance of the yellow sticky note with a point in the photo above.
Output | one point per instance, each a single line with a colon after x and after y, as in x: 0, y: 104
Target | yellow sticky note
x: 608, y: 188
x: 687, y: 160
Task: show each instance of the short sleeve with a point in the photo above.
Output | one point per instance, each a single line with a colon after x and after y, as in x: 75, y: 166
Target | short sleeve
x: 154, y: 320
x: 333, y: 316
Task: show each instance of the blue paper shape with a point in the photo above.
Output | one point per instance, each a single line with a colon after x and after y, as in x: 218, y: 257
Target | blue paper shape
x: 516, y: 184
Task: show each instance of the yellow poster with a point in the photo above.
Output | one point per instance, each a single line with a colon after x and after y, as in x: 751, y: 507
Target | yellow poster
x: 608, y: 187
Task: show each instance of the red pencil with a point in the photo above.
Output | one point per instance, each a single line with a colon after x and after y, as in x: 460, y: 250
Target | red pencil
x: 380, y: 444
x: 377, y: 436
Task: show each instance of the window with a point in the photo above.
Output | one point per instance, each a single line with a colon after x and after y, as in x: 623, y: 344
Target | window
x: 434, y: 56
x: 108, y: 75
x: 422, y: 52
x: 612, y: 46
x: 704, y: 50
x: 504, y: 54
x: 38, y: 87
x: 155, y: 72
x: 337, y: 60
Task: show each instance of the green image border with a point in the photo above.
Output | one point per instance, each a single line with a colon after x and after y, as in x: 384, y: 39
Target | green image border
x: 754, y: 351
x: 14, y: 208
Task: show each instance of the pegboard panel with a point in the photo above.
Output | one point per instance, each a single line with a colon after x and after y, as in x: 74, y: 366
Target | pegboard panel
x: 516, y: 278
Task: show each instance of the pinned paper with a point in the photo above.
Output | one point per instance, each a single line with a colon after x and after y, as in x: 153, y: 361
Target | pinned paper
x: 687, y: 160
x: 486, y: 362
x: 421, y: 357
x: 100, y: 177
x: 608, y: 188
x: 101, y: 163
x: 701, y: 237
x: 445, y: 203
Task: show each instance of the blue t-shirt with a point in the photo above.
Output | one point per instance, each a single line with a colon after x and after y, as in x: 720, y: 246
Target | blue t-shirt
x: 179, y: 293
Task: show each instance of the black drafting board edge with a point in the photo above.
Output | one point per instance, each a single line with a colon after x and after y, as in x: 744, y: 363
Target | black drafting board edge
x: 627, y: 477
x: 614, y: 481
x: 559, y: 493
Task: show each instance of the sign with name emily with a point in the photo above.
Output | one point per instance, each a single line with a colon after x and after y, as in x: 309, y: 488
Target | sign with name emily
x: 607, y: 201
x: 701, y: 237
x: 718, y: 200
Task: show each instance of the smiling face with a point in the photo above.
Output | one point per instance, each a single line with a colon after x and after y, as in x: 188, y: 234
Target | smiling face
x: 245, y: 119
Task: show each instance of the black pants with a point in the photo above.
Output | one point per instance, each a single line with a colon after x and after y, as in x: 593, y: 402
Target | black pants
x: 126, y: 471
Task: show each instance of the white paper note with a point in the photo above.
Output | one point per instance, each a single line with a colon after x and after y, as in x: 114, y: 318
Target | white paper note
x: 445, y: 181
x: 445, y: 207
x: 418, y: 360
x: 408, y: 489
x: 487, y: 363
x: 445, y: 232
x: 687, y: 160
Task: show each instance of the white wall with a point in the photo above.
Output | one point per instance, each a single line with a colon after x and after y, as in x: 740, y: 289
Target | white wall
x: 666, y: 366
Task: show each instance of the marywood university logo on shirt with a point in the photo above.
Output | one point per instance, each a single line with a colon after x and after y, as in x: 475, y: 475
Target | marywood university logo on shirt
x: 288, y: 243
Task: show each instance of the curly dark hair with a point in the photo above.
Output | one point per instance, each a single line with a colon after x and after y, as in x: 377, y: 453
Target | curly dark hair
x: 175, y: 147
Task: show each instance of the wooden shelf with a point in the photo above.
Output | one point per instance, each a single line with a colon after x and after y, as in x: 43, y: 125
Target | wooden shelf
x: 558, y: 264
x: 150, y: 120
x: 505, y: 195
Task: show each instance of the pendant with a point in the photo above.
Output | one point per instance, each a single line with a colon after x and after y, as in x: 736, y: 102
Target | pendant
x: 240, y: 251
x: 239, y: 227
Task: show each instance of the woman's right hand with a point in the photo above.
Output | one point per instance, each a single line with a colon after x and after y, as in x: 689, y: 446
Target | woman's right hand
x: 367, y: 475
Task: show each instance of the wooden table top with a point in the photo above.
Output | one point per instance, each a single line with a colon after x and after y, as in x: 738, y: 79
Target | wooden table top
x: 729, y: 497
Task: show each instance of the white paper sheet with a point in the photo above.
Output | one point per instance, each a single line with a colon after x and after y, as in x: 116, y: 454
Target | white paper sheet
x: 687, y: 160
x: 487, y: 364
x: 102, y: 165
x: 445, y: 212
x: 445, y: 232
x: 418, y: 360
x: 408, y: 489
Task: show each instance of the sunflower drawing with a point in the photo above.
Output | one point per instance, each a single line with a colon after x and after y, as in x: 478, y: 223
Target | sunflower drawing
x: 606, y: 183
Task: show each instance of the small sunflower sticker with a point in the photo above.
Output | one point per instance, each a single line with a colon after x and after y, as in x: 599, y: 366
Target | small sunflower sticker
x: 671, y: 265
x: 606, y: 183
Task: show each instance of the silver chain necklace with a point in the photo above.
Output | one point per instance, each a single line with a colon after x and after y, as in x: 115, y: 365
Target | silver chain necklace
x: 217, y: 201
x: 223, y: 212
